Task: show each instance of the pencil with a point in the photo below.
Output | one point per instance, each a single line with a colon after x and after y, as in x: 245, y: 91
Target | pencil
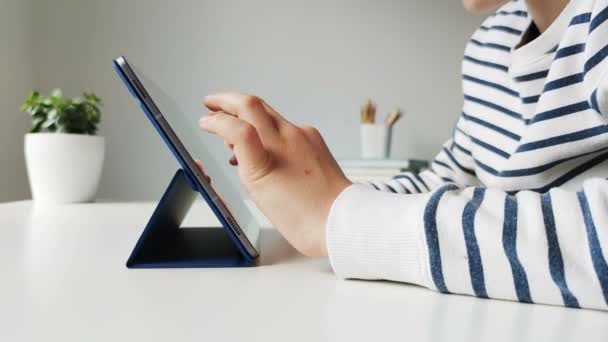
x: 368, y: 112
x: 393, y: 117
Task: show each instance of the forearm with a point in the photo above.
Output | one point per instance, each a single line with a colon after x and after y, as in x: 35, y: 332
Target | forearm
x: 529, y: 247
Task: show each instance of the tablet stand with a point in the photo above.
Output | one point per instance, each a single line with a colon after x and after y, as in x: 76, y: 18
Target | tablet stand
x: 164, y: 244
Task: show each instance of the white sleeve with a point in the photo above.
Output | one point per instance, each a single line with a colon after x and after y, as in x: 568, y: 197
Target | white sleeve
x: 530, y: 247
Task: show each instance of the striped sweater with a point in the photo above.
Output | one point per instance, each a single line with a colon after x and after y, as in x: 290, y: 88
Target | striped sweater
x: 515, y: 205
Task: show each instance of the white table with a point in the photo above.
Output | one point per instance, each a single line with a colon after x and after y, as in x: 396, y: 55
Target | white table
x: 62, y: 278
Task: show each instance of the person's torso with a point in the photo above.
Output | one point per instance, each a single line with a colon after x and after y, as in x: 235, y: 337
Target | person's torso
x: 527, y: 112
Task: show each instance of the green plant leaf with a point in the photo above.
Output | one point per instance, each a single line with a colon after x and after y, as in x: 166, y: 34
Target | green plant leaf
x: 55, y: 114
x: 57, y: 93
x: 30, y: 102
x: 92, y: 98
x: 38, y: 120
x: 48, y: 123
x: 36, y: 128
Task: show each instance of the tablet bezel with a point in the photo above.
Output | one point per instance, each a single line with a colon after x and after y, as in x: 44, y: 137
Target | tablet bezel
x: 184, y: 158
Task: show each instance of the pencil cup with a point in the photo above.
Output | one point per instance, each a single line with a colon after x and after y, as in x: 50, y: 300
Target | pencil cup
x: 375, y: 141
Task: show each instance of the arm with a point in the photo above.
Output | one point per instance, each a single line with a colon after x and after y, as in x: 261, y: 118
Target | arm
x: 453, y: 164
x: 530, y: 247
x: 545, y: 248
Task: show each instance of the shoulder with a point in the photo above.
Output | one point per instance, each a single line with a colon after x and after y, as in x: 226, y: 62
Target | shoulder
x: 502, y: 29
x: 593, y: 22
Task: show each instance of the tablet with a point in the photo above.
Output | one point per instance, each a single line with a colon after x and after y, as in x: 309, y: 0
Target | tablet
x: 182, y: 136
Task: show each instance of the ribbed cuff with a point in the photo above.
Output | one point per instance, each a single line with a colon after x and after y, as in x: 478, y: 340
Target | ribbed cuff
x: 376, y: 235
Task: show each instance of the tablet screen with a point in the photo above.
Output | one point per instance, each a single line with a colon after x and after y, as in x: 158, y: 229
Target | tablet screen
x: 207, y: 148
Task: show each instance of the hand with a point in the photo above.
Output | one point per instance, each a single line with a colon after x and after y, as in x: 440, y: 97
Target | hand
x: 288, y: 170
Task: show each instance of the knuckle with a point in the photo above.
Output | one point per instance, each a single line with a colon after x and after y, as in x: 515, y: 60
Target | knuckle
x: 252, y: 102
x: 312, y: 132
x: 247, y: 132
x: 294, y: 133
x: 307, y: 129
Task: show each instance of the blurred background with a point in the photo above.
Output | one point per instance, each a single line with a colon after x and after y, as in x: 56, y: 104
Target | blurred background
x: 315, y: 61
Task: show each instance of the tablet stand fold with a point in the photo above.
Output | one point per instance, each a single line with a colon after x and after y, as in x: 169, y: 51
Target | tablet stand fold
x: 165, y: 244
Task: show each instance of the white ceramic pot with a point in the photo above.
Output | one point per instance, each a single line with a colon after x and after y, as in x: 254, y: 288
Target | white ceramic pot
x: 63, y: 168
x: 375, y: 141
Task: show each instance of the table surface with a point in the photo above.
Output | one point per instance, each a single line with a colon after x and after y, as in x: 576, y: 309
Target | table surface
x: 63, y: 279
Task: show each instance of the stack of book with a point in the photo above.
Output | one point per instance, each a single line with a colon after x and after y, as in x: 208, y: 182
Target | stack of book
x: 377, y: 170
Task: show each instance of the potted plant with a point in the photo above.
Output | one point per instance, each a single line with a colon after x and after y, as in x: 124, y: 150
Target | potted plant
x: 63, y: 155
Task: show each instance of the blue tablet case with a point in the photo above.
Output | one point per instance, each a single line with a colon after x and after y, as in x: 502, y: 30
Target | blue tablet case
x: 165, y: 244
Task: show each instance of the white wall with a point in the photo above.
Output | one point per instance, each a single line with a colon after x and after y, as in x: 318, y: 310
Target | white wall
x: 315, y: 61
x: 16, y: 80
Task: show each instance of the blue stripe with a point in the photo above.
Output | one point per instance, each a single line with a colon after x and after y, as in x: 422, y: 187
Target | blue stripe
x: 570, y: 50
x: 447, y: 179
x: 490, y: 45
x: 413, y: 183
x: 490, y: 148
x: 594, y: 103
x: 597, y: 255
x: 596, y: 59
x: 474, y: 257
x: 516, y: 13
x: 563, y: 82
x: 509, y: 243
x: 598, y: 19
x: 580, y: 169
x: 559, y: 112
x: 374, y: 185
x: 409, y: 179
x: 501, y: 28
x: 486, y: 63
x: 443, y: 178
x: 533, y: 76
x: 553, y: 49
x: 490, y: 84
x: 459, y: 130
x: 439, y: 162
x: 421, y: 181
x: 455, y: 162
x: 491, y: 126
x: 432, y: 237
x: 461, y: 148
x: 391, y: 189
x: 562, y: 139
x: 533, y: 170
x: 405, y: 189
x: 530, y: 99
x: 493, y: 106
x: 488, y: 168
x: 556, y: 263
x: 580, y: 19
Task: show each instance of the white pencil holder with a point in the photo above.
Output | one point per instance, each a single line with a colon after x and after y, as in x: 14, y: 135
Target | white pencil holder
x: 375, y: 141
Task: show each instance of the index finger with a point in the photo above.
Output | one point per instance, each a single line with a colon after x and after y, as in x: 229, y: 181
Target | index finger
x: 247, y: 107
